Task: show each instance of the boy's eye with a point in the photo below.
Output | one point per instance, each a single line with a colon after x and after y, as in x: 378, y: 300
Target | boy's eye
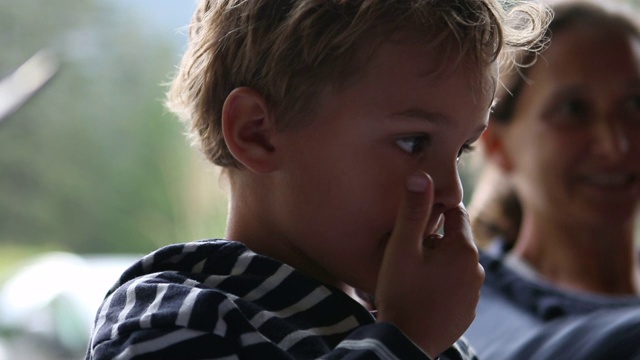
x: 466, y: 148
x: 413, y: 144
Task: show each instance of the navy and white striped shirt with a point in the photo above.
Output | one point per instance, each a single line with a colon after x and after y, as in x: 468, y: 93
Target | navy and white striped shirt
x: 216, y: 299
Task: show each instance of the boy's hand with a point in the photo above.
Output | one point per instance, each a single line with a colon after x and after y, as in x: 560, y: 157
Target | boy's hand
x: 429, y: 288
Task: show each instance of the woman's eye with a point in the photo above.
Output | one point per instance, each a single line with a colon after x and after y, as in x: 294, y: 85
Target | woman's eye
x: 413, y: 144
x: 466, y: 148
x: 632, y: 107
x: 573, y: 108
x: 570, y: 112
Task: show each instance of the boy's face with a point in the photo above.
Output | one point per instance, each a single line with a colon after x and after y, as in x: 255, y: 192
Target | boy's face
x: 341, y: 178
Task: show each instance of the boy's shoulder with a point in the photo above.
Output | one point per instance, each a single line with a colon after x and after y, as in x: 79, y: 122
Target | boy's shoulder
x: 220, y: 292
x: 194, y: 257
x: 214, y: 271
x: 215, y: 264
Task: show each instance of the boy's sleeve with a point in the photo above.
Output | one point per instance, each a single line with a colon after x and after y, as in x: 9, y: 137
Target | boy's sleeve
x: 169, y: 341
x: 386, y: 341
x: 180, y: 343
x: 184, y: 344
x: 166, y: 316
x: 378, y: 341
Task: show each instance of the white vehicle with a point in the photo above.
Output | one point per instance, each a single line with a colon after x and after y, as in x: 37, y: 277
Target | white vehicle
x: 48, y: 306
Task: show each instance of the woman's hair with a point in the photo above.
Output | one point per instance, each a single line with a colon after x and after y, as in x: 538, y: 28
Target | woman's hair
x: 567, y: 13
x: 495, y: 209
x: 290, y: 50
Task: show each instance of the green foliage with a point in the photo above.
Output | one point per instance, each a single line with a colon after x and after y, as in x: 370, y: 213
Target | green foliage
x: 94, y: 163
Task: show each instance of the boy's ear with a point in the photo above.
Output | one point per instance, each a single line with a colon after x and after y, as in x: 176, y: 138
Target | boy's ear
x: 247, y: 127
x: 495, y: 148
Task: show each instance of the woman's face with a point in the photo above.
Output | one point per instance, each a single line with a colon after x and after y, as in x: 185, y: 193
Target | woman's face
x: 574, y: 143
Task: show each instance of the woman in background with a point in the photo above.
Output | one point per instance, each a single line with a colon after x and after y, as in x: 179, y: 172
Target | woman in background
x: 562, y: 267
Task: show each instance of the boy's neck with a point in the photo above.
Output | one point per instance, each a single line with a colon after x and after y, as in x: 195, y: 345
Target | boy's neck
x: 257, y: 235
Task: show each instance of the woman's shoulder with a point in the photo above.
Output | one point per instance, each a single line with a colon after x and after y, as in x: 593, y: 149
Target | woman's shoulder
x: 514, y: 282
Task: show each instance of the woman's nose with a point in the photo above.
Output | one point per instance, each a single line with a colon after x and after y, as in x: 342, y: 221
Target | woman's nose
x: 611, y: 141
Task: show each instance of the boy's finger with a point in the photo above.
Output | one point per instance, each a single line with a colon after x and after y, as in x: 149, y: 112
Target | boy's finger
x: 414, y: 211
x: 432, y: 241
x: 457, y: 221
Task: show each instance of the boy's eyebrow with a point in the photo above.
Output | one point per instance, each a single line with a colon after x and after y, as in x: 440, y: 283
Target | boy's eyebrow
x: 434, y: 118
x: 421, y: 114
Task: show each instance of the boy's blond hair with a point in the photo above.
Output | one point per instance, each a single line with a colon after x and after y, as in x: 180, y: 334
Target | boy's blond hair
x: 290, y: 50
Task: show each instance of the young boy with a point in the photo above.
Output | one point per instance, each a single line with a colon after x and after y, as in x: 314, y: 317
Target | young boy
x: 327, y: 116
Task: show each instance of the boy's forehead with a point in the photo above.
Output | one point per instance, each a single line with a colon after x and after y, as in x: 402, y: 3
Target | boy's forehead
x: 440, y: 61
x: 406, y: 54
x: 425, y: 74
x: 443, y: 54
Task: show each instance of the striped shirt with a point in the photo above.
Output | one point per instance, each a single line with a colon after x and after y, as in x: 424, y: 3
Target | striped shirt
x: 215, y: 299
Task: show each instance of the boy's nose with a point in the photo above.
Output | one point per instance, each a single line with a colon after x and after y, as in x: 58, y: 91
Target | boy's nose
x: 448, y: 190
x: 610, y: 142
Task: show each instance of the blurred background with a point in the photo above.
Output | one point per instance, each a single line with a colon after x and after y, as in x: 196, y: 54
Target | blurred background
x: 93, y: 171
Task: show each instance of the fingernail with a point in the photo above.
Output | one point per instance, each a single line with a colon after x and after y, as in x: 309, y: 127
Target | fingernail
x: 417, y: 182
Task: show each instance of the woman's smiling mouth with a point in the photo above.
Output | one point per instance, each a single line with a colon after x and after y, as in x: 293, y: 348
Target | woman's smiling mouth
x: 610, y: 180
